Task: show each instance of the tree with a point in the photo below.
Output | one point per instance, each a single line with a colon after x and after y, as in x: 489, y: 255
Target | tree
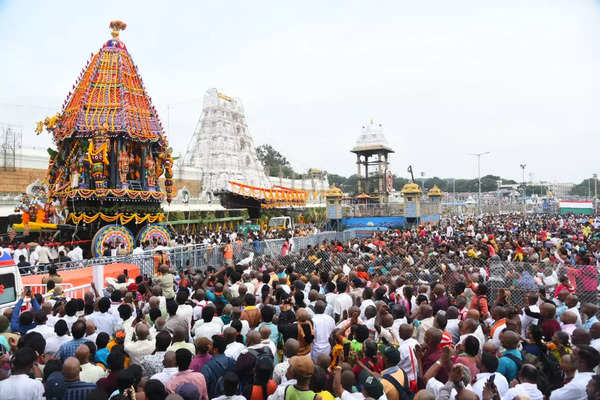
x: 585, y: 188
x: 540, y: 190
x: 274, y: 161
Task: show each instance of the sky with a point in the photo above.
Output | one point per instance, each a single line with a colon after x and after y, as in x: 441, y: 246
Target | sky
x: 519, y: 79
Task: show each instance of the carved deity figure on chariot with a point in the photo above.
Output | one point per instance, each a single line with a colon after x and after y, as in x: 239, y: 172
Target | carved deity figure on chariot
x: 97, y: 157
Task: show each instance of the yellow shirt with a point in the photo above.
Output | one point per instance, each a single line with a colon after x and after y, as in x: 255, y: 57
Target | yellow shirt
x: 326, y: 395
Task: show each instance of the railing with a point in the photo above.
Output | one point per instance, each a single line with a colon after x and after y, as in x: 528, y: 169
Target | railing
x: 77, y: 292
x: 41, y: 287
x: 373, y: 210
x: 200, y: 256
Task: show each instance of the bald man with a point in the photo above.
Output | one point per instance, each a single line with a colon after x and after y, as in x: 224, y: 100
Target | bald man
x: 90, y: 330
x: 595, y: 334
x: 425, y: 315
x: 290, y: 349
x: 234, y: 348
x: 74, y: 388
x: 139, y: 345
x: 180, y: 336
x: 89, y: 372
x: 507, y: 365
x: 265, y: 335
x: 170, y: 364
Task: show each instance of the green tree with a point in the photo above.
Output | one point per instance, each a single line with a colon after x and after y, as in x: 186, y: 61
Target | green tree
x: 540, y: 190
x: 585, y: 188
x: 274, y: 161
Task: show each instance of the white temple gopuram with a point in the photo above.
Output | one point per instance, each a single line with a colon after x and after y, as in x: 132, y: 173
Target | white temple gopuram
x: 222, y: 147
x: 222, y: 150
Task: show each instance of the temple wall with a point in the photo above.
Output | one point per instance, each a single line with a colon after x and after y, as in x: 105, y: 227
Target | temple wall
x: 16, y: 181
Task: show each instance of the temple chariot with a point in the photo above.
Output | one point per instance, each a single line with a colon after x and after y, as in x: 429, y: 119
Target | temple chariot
x: 112, y: 156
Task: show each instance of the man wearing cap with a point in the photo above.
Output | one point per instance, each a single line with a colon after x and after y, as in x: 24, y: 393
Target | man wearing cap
x: 303, y: 368
x: 394, y: 379
x: 371, y: 387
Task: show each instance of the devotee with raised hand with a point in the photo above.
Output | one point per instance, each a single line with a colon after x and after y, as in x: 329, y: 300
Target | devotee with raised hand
x: 324, y: 325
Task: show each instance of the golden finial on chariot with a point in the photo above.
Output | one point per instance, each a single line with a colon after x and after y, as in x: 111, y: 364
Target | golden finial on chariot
x: 116, y: 27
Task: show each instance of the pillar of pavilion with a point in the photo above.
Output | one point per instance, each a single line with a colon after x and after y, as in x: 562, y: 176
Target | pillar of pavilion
x: 372, y: 152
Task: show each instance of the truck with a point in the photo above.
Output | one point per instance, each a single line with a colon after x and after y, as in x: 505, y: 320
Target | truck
x: 11, y: 286
x: 281, y: 223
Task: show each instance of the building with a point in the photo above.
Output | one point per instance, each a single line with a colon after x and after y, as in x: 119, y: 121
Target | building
x: 372, y: 150
x: 222, y: 148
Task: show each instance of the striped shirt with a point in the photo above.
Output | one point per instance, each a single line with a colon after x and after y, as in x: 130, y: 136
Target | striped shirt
x: 446, y: 340
x: 77, y: 390
x: 69, y: 348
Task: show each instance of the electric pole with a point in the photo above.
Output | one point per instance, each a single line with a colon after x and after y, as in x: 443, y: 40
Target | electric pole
x: 595, y: 194
x: 524, y: 186
x: 478, y: 155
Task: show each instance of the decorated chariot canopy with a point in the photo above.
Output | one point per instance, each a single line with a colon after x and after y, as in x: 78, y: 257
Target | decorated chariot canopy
x: 111, y: 152
x: 110, y: 141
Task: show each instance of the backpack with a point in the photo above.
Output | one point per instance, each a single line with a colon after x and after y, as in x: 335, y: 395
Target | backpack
x: 550, y: 374
x: 403, y: 389
x: 264, y: 353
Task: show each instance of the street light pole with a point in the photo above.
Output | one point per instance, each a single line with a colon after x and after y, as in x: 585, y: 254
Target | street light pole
x: 595, y: 193
x: 454, y: 195
x: 479, y: 178
x: 524, y: 186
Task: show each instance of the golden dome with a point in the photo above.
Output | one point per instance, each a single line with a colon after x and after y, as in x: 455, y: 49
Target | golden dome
x: 411, y: 188
x: 435, y: 191
x: 334, y: 191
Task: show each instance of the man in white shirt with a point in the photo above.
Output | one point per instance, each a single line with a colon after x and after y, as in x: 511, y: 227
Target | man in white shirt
x: 342, y: 302
x: 43, y: 254
x: 142, y: 346
x: 528, y: 387
x: 367, y: 301
x: 489, y: 364
x: 571, y: 302
x: 40, y: 319
x: 323, y: 326
x: 595, y: 334
x: 138, y: 250
x: 19, y: 386
x: 76, y: 254
x: 290, y: 349
x: 53, y: 343
x: 184, y: 310
x: 469, y: 328
x: 408, y: 360
x: 425, y: 316
x: 104, y: 320
x: 234, y: 348
x: 587, y: 359
x: 532, y: 308
x: 89, y: 372
x: 208, y: 326
x: 170, y: 370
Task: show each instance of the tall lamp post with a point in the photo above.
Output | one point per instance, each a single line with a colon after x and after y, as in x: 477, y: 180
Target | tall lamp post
x: 595, y: 193
x: 524, y: 185
x: 478, y: 155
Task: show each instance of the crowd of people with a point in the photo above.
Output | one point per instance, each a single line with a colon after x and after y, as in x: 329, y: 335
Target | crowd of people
x: 427, y: 312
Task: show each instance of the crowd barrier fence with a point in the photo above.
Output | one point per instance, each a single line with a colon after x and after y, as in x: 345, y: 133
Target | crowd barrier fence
x: 512, y: 279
